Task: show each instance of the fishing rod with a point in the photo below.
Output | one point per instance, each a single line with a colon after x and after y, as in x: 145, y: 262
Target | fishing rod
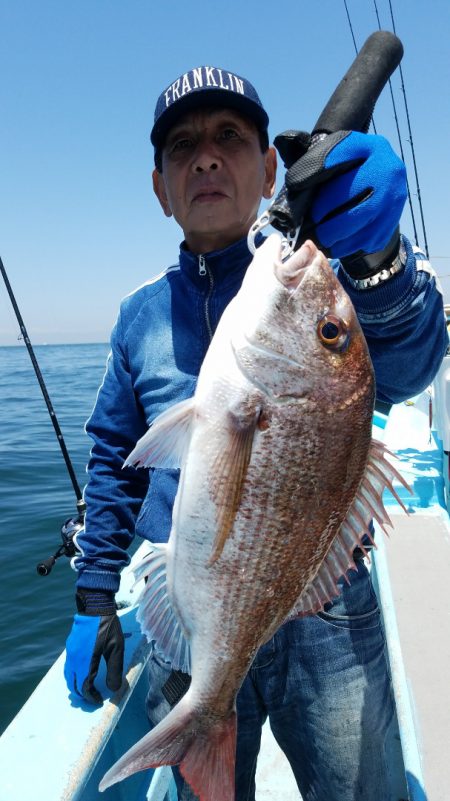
x: 73, y: 524
x: 349, y: 108
x: 410, y: 140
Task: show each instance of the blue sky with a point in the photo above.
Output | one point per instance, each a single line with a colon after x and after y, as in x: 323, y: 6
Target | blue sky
x: 79, y: 225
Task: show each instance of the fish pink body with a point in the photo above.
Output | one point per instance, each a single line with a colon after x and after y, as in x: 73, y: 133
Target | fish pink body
x: 279, y: 479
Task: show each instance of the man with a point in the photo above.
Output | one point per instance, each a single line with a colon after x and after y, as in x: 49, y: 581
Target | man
x: 324, y: 680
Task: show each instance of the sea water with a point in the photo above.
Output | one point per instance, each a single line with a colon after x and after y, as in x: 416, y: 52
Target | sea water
x: 36, y: 497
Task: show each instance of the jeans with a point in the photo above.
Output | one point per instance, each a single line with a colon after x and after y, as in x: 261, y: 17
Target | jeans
x: 324, y: 684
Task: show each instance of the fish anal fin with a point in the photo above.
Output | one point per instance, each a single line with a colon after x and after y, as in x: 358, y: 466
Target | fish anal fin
x: 366, y: 505
x: 230, y: 469
x: 156, y: 616
x: 166, y: 442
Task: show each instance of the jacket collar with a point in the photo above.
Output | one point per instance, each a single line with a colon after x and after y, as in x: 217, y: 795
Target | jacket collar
x: 224, y: 266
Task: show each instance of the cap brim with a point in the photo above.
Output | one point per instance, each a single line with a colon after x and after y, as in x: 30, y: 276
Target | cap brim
x: 214, y: 98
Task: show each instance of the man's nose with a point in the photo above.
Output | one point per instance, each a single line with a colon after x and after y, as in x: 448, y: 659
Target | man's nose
x: 206, y: 158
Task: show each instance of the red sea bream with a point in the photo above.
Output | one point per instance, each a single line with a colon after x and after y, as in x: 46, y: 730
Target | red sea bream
x: 279, y: 479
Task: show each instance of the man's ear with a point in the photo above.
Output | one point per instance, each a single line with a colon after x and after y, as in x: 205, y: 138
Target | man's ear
x: 270, y: 157
x: 159, y: 189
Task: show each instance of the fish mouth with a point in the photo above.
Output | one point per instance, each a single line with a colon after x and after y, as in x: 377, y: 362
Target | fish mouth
x: 292, y: 270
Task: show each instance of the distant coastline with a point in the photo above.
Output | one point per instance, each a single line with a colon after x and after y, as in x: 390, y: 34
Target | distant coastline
x: 21, y: 343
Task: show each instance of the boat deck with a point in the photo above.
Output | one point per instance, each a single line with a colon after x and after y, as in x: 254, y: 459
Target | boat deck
x: 418, y: 555
x: 416, y: 558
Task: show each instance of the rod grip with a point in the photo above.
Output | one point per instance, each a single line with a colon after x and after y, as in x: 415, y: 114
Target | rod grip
x: 351, y: 105
x: 349, y: 108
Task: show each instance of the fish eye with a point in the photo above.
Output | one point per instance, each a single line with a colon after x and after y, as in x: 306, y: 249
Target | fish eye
x: 332, y: 332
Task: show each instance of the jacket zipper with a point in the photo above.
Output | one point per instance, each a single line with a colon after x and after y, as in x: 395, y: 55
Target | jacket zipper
x: 203, y: 269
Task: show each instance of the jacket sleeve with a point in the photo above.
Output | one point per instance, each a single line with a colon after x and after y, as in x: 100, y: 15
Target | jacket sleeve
x: 404, y: 323
x: 113, y: 496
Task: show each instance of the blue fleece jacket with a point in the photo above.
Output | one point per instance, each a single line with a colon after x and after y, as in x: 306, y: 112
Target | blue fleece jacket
x: 157, y: 347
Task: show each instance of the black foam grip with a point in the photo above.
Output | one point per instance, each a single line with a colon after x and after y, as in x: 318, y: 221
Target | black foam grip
x: 349, y: 108
x: 351, y: 105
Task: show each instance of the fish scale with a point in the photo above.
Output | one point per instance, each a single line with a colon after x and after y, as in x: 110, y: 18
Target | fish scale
x: 279, y: 480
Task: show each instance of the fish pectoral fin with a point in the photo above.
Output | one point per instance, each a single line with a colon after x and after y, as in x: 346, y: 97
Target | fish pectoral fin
x: 366, y: 506
x: 166, y: 442
x: 156, y: 615
x: 230, y: 470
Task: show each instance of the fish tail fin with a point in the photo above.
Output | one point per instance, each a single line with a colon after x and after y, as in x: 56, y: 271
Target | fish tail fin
x: 209, y: 763
x: 205, y: 752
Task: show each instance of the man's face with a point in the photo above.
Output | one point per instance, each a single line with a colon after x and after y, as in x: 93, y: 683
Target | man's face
x: 213, y: 177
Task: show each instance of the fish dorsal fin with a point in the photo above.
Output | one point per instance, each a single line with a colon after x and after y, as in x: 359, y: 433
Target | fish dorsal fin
x: 230, y: 469
x: 367, y: 505
x: 156, y: 615
x: 166, y: 442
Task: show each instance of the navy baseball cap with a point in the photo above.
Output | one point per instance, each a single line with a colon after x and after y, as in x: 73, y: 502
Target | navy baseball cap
x: 203, y: 87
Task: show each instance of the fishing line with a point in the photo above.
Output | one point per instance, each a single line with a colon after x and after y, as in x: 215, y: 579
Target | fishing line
x: 71, y: 525
x: 356, y: 51
x: 351, y: 27
x: 402, y: 154
x: 411, y: 142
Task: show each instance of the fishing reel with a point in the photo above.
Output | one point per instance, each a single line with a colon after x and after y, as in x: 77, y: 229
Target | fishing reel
x: 69, y: 529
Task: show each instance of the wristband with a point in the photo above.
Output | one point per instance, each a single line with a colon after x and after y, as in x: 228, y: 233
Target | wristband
x: 385, y: 271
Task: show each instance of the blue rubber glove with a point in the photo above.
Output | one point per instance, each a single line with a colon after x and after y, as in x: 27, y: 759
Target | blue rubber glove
x: 96, y: 632
x: 359, y: 190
